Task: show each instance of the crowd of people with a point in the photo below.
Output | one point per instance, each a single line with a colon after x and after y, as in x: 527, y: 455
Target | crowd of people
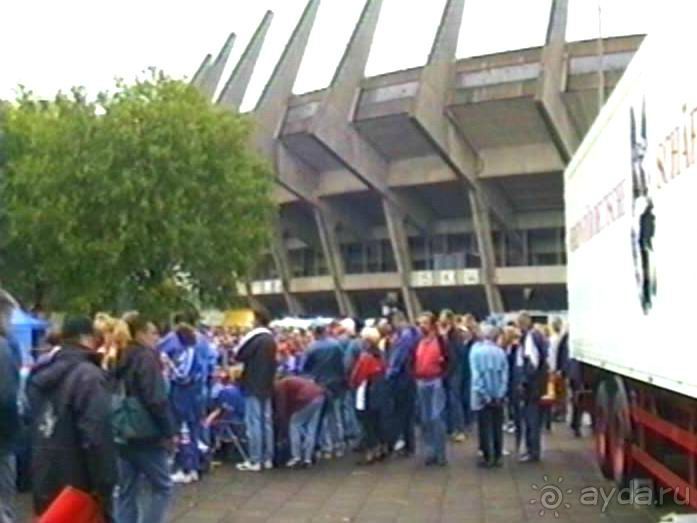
x: 111, y: 402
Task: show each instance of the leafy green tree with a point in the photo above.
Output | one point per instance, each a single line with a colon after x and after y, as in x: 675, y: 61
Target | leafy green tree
x: 145, y: 198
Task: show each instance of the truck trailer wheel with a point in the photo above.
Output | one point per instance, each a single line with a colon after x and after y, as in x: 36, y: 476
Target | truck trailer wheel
x: 602, y: 416
x: 620, y: 436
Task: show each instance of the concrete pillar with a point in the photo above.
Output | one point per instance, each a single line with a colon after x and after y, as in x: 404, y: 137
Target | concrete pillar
x: 552, y: 81
x: 485, y: 242
x: 335, y: 262
x: 285, y: 273
x: 400, y: 245
x: 233, y: 93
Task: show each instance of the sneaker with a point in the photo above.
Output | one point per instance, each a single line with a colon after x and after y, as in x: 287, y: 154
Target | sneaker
x: 458, y: 437
x: 193, y: 476
x: 399, y: 445
x: 307, y: 463
x: 293, y: 462
x: 248, y: 466
x: 268, y: 464
x: 202, y: 447
x: 338, y: 454
x: 180, y: 478
x: 506, y: 452
x: 327, y: 455
x: 527, y: 458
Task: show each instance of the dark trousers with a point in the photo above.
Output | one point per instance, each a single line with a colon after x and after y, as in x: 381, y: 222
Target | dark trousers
x: 490, y: 422
x: 576, y: 407
x: 370, y: 423
x: 403, y: 414
x: 532, y: 421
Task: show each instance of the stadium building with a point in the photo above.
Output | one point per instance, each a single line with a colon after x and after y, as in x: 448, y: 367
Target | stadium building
x: 439, y: 185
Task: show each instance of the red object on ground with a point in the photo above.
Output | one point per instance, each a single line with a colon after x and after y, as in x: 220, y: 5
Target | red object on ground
x: 73, y: 506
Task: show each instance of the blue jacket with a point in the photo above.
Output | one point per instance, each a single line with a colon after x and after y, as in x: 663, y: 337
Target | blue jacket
x: 489, y: 366
x: 324, y: 362
x: 401, y: 354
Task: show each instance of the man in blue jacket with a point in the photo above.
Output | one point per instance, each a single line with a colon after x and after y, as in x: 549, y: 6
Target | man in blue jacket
x: 489, y: 367
x: 402, y: 385
x: 325, y: 364
x: 9, y: 415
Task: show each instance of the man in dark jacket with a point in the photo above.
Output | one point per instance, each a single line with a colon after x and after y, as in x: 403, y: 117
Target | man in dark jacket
x: 257, y: 351
x: 139, y: 374
x: 9, y: 416
x: 71, y: 421
x: 532, y: 368
x: 324, y: 362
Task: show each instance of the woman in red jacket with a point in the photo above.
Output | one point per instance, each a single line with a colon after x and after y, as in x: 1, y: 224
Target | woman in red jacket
x: 366, y: 377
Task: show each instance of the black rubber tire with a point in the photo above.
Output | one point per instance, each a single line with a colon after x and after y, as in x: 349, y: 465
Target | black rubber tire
x: 620, y: 437
x: 602, y: 416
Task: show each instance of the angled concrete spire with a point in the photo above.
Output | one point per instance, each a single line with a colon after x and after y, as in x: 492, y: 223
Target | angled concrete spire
x: 233, y: 93
x: 552, y: 81
x: 211, y: 76
x: 271, y: 107
x: 556, y: 29
x: 428, y: 114
x: 201, y: 71
x: 445, y: 43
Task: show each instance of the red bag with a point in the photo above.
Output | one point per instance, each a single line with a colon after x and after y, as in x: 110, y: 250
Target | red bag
x: 73, y: 506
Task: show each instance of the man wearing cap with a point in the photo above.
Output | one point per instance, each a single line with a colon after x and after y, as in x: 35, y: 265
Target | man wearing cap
x: 71, y: 421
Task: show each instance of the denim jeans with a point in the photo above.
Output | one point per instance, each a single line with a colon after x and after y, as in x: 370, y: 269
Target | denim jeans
x: 431, y: 399
x: 332, y: 433
x: 149, y: 463
x: 490, y: 421
x: 532, y: 421
x: 352, y: 429
x: 258, y: 417
x: 8, y: 477
x: 303, y: 430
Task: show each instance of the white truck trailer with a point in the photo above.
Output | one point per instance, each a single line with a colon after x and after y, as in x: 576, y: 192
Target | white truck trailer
x: 631, y: 216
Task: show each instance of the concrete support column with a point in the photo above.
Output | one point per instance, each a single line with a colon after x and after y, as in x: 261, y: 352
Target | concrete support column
x: 282, y: 261
x: 332, y: 253
x: 485, y: 242
x: 396, y: 229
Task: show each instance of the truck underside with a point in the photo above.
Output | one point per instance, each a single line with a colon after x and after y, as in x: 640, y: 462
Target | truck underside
x: 643, y: 431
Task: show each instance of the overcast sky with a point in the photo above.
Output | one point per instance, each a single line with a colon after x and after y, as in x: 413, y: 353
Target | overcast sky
x: 49, y: 45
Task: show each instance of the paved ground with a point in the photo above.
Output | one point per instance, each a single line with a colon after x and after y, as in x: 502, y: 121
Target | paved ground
x: 402, y: 490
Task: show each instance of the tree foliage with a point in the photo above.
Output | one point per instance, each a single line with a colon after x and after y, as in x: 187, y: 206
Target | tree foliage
x: 112, y: 203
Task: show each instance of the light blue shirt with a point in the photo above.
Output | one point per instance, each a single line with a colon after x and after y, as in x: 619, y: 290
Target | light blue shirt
x: 489, y: 367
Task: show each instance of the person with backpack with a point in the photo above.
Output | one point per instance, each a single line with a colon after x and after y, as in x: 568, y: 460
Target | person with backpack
x: 70, y: 405
x: 532, y: 371
x: 432, y: 359
x: 147, y: 438
x: 9, y: 413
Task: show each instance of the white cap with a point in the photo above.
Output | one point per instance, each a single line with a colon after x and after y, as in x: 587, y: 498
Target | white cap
x: 349, y: 326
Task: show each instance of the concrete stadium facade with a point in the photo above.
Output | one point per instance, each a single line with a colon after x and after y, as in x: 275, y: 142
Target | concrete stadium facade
x: 442, y: 184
